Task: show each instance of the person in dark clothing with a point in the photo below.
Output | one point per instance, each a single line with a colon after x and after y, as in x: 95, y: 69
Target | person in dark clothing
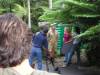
x: 75, y: 47
x: 39, y: 42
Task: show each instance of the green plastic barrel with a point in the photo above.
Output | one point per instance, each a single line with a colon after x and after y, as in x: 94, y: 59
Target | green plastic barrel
x: 60, y: 30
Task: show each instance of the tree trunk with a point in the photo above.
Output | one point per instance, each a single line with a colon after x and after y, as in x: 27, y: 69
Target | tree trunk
x: 29, y: 14
x: 50, y: 4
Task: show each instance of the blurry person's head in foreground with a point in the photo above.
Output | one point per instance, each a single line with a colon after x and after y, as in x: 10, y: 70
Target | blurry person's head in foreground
x: 15, y: 40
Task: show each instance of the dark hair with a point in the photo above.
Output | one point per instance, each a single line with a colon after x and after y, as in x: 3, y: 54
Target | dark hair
x: 44, y: 28
x: 77, y: 30
x: 15, y: 40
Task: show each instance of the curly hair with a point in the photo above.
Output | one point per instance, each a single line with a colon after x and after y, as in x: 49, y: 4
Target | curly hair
x: 15, y: 40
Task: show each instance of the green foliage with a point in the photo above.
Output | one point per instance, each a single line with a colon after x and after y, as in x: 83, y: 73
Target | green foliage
x: 65, y: 10
x: 81, y: 4
x: 90, y: 33
x: 6, y: 5
x: 83, y: 8
x: 12, y: 6
x: 50, y: 16
x: 87, y: 14
x: 19, y: 10
x: 36, y: 12
x: 56, y: 16
x: 19, y: 7
x: 7, y: 2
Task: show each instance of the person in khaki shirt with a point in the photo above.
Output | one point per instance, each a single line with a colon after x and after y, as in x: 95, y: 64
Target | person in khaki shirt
x: 15, y: 44
x: 52, y: 45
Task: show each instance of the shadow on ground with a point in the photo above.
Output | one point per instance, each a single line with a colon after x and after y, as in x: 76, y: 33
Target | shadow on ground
x: 75, y: 70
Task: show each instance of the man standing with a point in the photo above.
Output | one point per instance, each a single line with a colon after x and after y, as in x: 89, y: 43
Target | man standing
x: 75, y: 47
x: 52, y: 43
x: 39, y: 42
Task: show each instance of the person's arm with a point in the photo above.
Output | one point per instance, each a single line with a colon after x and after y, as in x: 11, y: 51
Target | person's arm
x: 45, y: 48
x: 48, y: 36
x: 33, y: 37
x: 56, y: 36
x: 69, y: 41
x: 45, y: 44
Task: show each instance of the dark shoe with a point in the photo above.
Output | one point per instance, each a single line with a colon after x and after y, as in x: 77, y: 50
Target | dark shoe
x: 59, y: 72
x: 57, y: 69
x: 67, y: 65
x: 65, y: 61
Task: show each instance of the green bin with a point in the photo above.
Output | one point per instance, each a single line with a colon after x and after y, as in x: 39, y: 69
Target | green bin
x: 60, y: 30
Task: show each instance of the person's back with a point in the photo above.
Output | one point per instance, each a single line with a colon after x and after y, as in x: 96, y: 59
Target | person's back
x: 38, y: 39
x: 39, y: 42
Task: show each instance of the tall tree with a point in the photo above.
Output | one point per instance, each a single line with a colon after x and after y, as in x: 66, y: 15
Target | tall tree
x: 29, y: 13
x: 50, y: 4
